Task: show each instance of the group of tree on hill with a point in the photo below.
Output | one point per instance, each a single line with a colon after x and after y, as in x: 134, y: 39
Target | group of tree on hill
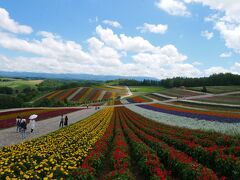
x: 222, y: 79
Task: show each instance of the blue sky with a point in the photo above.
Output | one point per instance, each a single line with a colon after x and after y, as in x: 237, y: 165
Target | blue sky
x: 157, y: 38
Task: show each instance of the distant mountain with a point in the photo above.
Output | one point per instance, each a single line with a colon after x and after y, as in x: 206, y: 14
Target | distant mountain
x: 70, y: 76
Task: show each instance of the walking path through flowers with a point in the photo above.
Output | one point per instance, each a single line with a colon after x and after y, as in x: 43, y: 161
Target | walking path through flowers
x: 9, y: 136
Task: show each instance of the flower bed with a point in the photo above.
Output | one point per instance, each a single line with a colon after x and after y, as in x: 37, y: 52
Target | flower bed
x: 138, y: 99
x: 79, y: 94
x: 181, y: 164
x: 120, y: 158
x: 206, y: 115
x: 180, y: 121
x: 9, y: 119
x: 209, y: 154
x: 57, y: 154
x: 67, y: 94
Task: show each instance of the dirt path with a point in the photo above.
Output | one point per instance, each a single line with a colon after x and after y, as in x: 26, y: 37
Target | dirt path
x: 9, y: 136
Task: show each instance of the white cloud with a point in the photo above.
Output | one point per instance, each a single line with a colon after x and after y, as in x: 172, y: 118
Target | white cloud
x: 208, y: 35
x: 197, y: 63
x: 226, y: 20
x: 112, y: 23
x: 153, y: 28
x: 123, y: 42
x: 8, y: 24
x: 226, y: 55
x: 105, y: 54
x: 230, y: 33
x: 173, y: 7
x: 216, y: 70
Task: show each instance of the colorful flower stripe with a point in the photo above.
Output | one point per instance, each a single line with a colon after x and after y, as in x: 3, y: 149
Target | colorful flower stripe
x: 181, y: 164
x: 93, y: 163
x: 138, y: 99
x: 13, y: 113
x: 203, y: 138
x: 97, y: 94
x: 107, y: 95
x: 118, y: 102
x: 211, y: 157
x: 209, y: 116
x: 55, y: 155
x: 25, y: 113
x: 55, y: 94
x: 67, y: 94
x: 210, y: 113
x: 148, y: 161
x: 43, y: 114
x: 79, y: 94
x: 90, y: 95
x: 85, y: 94
x: 120, y: 159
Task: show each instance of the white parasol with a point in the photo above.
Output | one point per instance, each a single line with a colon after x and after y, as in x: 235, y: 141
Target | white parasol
x: 33, y: 116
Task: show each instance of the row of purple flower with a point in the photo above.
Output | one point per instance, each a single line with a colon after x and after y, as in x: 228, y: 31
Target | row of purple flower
x: 193, y: 115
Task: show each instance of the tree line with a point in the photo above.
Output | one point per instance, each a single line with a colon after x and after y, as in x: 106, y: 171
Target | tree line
x: 222, y: 79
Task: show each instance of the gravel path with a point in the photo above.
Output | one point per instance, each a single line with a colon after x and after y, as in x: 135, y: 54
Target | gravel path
x: 10, y: 136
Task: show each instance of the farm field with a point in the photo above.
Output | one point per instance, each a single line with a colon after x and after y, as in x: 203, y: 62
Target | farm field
x: 178, y: 92
x: 119, y: 143
x: 86, y: 94
x: 228, y: 99
x: 145, y: 89
x: 205, y: 106
x: 217, y: 89
x: 18, y: 84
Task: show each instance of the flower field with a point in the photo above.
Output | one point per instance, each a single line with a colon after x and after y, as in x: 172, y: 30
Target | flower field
x: 121, y: 144
x: 8, y: 119
x: 85, y: 94
x: 138, y: 99
x: 197, y: 114
x: 186, y: 122
x: 56, y: 154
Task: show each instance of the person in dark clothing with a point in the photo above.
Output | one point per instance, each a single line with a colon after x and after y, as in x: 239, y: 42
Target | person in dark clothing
x: 23, y: 128
x: 66, y: 121
x: 61, y: 122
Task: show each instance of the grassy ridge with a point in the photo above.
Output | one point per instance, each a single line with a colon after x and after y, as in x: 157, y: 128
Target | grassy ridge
x: 19, y: 84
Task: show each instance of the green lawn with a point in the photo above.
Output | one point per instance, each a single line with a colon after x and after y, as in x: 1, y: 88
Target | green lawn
x: 145, y: 89
x: 18, y: 83
x: 217, y: 89
x: 178, y: 92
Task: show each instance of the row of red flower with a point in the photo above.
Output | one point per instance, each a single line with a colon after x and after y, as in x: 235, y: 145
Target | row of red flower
x: 181, y: 164
x: 9, y: 120
x: 93, y: 163
x: 138, y: 99
x: 160, y: 151
x: 211, y: 157
x: 119, y: 158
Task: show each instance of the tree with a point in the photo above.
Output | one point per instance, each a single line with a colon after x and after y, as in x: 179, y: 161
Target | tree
x: 204, y: 89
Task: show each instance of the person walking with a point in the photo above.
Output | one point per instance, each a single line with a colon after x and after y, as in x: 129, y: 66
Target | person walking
x: 66, y: 121
x: 61, y: 121
x: 18, y: 123
x: 23, y: 128
x: 32, y: 124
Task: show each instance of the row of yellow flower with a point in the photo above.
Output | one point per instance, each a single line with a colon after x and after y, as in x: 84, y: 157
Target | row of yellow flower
x: 56, y: 154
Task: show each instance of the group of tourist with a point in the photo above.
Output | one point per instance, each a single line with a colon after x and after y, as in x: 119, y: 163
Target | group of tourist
x: 63, y: 121
x: 21, y: 124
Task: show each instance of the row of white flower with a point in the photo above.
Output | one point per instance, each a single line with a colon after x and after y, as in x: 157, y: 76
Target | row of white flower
x: 226, y: 128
